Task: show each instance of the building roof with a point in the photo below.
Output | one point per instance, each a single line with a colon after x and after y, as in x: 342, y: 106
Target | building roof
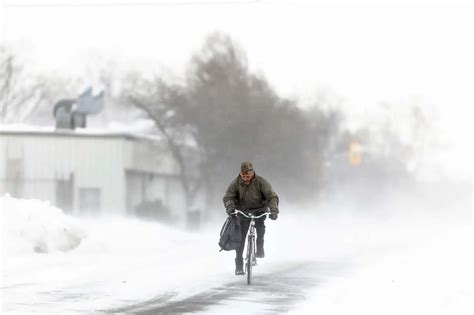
x: 29, y: 130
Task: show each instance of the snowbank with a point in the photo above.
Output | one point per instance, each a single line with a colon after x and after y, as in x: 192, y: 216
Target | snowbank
x: 35, y: 226
x: 55, y: 263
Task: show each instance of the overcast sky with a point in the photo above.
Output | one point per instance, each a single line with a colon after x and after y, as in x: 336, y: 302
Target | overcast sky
x: 363, y: 53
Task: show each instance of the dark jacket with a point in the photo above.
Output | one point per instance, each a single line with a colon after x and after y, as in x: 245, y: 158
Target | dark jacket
x: 252, y: 197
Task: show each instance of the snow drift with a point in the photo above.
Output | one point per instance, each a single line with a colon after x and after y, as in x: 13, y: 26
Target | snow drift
x: 36, y: 226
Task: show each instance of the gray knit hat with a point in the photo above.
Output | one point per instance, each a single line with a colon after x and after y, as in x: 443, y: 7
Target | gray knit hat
x: 246, y: 167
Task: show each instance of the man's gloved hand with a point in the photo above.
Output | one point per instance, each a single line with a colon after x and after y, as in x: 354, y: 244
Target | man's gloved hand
x: 230, y: 210
x: 273, y: 214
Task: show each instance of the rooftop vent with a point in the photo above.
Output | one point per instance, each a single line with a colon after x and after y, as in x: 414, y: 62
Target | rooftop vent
x: 72, y: 113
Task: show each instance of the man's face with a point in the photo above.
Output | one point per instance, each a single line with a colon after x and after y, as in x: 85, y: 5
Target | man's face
x: 246, y: 177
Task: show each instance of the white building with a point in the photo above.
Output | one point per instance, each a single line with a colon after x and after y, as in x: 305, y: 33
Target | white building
x: 87, y: 172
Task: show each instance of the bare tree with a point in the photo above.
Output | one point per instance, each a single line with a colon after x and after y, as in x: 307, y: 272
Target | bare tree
x: 160, y: 102
x: 237, y: 116
x: 20, y: 93
x: 234, y: 115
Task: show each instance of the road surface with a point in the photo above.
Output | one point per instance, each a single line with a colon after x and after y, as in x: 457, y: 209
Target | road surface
x: 270, y: 293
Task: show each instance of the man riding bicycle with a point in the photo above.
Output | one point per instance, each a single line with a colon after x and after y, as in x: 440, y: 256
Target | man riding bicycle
x: 250, y: 193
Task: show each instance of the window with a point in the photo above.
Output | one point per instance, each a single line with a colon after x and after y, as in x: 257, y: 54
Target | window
x: 89, y: 200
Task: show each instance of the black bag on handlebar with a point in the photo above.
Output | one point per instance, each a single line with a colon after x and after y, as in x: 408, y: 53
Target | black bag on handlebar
x: 230, y: 237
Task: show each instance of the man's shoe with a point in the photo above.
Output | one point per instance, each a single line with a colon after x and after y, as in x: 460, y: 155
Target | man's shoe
x: 260, y: 255
x: 239, y: 267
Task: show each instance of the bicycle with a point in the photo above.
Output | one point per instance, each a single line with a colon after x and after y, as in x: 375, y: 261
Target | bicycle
x: 251, y: 242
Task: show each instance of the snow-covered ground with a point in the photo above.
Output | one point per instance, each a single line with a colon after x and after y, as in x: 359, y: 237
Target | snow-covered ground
x: 107, y: 263
x: 397, y: 261
x: 410, y: 265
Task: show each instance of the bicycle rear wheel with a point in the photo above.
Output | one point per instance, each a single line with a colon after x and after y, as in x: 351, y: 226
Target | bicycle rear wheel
x: 250, y: 258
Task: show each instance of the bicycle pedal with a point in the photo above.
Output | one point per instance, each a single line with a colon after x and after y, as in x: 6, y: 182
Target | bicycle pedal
x: 254, y: 263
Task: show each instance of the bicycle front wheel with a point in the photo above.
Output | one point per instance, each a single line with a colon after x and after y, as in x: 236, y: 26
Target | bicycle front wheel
x: 250, y: 258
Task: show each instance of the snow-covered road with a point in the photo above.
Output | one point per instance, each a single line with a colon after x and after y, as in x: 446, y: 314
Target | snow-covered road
x: 320, y: 262
x: 274, y: 292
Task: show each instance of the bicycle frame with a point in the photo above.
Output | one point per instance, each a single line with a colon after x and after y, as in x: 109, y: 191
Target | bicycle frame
x: 251, y: 242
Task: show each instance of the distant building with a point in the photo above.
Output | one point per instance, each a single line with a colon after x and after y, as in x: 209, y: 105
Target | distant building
x: 87, y: 172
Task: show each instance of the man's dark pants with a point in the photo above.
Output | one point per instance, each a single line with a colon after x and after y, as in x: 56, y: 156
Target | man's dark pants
x: 245, y: 224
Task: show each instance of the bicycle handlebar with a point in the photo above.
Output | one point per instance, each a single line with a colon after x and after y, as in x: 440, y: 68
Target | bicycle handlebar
x: 251, y: 216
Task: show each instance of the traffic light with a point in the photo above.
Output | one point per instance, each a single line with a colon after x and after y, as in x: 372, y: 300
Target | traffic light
x: 355, y: 154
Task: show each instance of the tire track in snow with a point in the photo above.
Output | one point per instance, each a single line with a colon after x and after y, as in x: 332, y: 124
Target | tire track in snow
x: 270, y: 293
